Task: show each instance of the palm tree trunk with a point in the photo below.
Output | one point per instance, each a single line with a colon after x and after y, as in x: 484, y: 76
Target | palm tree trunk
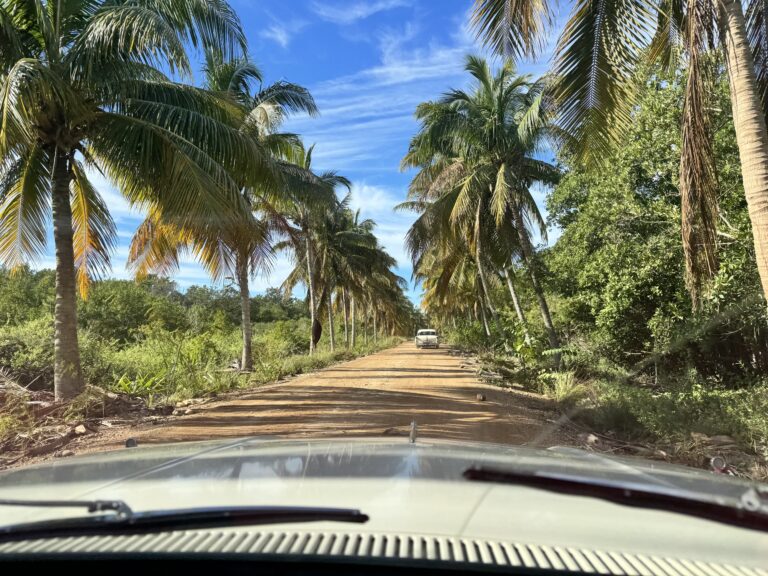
x: 374, y: 327
x: 311, y: 290
x: 246, y: 360
x: 352, y: 319
x: 530, y: 264
x: 479, y: 263
x: 516, y: 303
x: 485, y: 320
x: 67, y: 374
x: 751, y: 133
x: 331, y: 334
x: 365, y: 328
x: 345, y: 305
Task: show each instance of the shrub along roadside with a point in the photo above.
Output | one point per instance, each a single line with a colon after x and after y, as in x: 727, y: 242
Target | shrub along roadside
x: 183, y: 368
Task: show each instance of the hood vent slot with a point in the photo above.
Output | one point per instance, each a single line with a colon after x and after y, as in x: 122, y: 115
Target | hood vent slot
x: 401, y: 547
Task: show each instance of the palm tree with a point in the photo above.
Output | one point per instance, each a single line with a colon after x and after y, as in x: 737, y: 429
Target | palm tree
x: 476, y: 155
x: 241, y: 248
x: 81, y: 89
x: 309, y: 204
x: 347, y: 259
x: 600, y: 49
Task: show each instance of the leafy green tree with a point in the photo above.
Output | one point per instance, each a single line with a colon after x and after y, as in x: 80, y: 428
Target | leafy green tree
x: 115, y: 309
x: 82, y: 89
x: 25, y: 295
x: 618, y: 265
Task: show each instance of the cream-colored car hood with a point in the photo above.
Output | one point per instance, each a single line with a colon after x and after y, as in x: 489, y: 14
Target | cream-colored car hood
x: 405, y: 489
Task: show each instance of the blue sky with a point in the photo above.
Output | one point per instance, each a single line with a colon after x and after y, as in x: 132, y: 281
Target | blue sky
x: 368, y: 63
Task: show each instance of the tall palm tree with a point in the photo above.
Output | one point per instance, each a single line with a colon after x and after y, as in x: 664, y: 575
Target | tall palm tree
x: 81, y: 89
x: 476, y: 155
x: 307, y: 209
x: 241, y: 248
x: 600, y: 48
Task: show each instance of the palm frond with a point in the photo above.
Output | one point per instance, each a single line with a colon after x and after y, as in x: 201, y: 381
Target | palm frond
x: 757, y: 35
x: 594, y: 65
x: 512, y: 28
x: 24, y: 207
x: 698, y: 181
x: 94, y: 232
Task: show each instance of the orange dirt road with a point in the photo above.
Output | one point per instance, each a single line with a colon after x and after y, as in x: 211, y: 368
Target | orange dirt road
x: 378, y: 395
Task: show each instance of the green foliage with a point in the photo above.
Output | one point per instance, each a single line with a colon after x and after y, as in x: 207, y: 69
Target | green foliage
x: 618, y: 266
x: 672, y: 415
x: 115, y: 309
x: 25, y: 295
x: 26, y: 352
x: 144, y: 338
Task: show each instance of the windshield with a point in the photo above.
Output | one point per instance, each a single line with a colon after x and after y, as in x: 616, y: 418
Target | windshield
x: 470, y: 222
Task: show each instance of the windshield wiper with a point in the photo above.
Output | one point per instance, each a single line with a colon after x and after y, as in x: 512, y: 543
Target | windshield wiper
x: 125, y: 521
x: 750, y: 512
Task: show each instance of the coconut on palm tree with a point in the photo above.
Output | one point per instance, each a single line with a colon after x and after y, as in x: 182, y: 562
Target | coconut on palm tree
x: 599, y: 51
x: 81, y: 89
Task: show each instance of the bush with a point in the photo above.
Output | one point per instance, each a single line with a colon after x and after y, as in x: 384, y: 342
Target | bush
x: 175, y: 365
x: 26, y: 352
x: 673, y: 415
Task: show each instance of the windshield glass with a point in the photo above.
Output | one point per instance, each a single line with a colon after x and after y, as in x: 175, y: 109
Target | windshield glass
x: 231, y: 219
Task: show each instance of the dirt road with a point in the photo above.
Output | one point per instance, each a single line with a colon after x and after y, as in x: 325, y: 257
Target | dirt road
x: 376, y: 395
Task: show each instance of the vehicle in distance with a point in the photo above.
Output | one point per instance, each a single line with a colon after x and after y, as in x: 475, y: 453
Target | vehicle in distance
x: 427, y: 338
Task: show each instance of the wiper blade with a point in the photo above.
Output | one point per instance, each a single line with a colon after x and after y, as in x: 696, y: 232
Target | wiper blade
x: 183, y: 519
x: 748, y: 513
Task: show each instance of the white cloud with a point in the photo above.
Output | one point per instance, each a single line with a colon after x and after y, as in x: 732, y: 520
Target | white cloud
x: 283, y: 32
x: 116, y: 202
x: 373, y: 201
x: 349, y: 13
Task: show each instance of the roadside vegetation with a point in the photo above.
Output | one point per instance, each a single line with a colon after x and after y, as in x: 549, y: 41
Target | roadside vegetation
x: 148, y: 341
x: 635, y: 355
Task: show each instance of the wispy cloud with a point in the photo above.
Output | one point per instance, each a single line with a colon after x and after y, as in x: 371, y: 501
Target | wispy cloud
x: 283, y: 32
x: 348, y: 13
x: 367, y: 118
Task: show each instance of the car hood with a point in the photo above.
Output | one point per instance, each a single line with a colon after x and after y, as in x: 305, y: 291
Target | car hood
x: 405, y: 488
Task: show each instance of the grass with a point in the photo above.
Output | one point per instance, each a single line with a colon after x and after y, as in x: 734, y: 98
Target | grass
x: 181, y: 377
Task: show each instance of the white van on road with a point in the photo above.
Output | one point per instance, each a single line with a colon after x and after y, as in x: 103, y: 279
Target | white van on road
x: 427, y: 338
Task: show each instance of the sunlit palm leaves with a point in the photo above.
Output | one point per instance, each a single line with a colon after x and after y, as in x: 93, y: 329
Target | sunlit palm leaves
x: 80, y: 86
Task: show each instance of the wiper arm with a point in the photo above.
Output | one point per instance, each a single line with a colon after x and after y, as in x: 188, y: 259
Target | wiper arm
x: 117, y: 506
x: 127, y: 522
x: 745, y: 515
